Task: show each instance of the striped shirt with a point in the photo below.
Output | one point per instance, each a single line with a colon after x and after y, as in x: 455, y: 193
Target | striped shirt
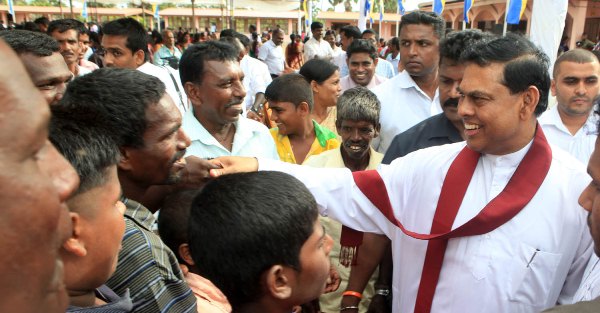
x: 148, y: 268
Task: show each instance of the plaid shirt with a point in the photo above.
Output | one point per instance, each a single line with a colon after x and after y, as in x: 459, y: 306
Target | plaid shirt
x: 148, y: 268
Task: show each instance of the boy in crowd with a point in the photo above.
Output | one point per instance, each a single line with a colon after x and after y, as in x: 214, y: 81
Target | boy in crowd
x: 90, y: 254
x: 291, y: 101
x: 173, y: 229
x: 357, y: 123
x: 278, y: 255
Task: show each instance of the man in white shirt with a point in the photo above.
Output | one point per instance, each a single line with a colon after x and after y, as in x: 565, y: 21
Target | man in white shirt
x: 511, y: 238
x: 571, y: 124
x: 212, y: 79
x: 272, y: 54
x: 394, y: 56
x: 384, y: 68
x: 66, y: 32
x: 316, y: 47
x: 362, y: 60
x: 348, y: 34
x: 412, y: 96
x: 125, y: 45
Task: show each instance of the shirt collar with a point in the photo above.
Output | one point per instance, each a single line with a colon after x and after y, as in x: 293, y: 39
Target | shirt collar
x: 196, y: 132
x: 552, y: 117
x: 139, y: 213
x: 321, y: 135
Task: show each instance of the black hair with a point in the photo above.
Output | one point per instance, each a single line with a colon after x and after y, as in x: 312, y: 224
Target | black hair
x: 395, y: 41
x: 426, y: 18
x: 243, y: 224
x: 525, y: 64
x: 580, y: 56
x: 455, y: 43
x: 65, y: 24
x: 318, y: 70
x: 351, y: 31
x: 370, y: 31
x: 89, y: 149
x: 191, y: 64
x: 246, y: 42
x: 31, y: 26
x: 330, y: 32
x: 292, y: 88
x: 358, y: 104
x: 233, y: 41
x: 24, y: 41
x: 362, y: 46
x: 315, y: 25
x: 42, y: 21
x: 227, y: 33
x: 137, y: 38
x: 119, y: 98
x: 174, y: 218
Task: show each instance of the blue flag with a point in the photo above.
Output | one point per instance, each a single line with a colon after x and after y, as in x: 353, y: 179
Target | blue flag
x: 401, y: 7
x: 367, y: 7
x: 468, y: 5
x: 438, y: 6
x: 11, y: 10
x: 84, y: 13
x: 156, y: 14
x: 515, y: 11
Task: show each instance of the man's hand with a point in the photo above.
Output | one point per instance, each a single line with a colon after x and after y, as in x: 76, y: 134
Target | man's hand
x: 196, y: 172
x: 255, y: 116
x: 334, y: 280
x: 378, y: 305
x: 232, y: 164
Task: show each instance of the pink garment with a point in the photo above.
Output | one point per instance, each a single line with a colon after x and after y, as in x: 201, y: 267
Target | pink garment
x: 89, y: 65
x: 209, y: 298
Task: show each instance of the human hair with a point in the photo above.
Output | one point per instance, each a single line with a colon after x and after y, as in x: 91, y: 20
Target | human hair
x: 174, y: 217
x: 318, y: 70
x: 243, y: 39
x: 31, y: 26
x: 395, y: 41
x: 580, y: 56
x: 63, y: 25
x: 42, y: 21
x: 137, y: 38
x: 330, y: 32
x: 227, y: 33
x: 362, y: 46
x: 119, y: 98
x: 358, y: 104
x: 351, y: 31
x: 292, y: 88
x: 24, y: 41
x: 252, y: 28
x: 316, y: 25
x: 277, y: 31
x: 89, y: 149
x: 191, y: 64
x: 425, y: 18
x: 370, y: 31
x: 455, y: 43
x: 243, y: 224
x: 234, y: 42
x: 525, y: 64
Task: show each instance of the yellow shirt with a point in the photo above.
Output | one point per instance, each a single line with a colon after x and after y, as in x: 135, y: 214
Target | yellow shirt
x: 324, y: 140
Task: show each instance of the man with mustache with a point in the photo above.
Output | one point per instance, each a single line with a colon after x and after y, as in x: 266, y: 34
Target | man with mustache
x: 445, y: 127
x: 411, y: 96
x: 571, y: 124
x: 66, y: 32
x: 146, y: 125
x: 212, y: 78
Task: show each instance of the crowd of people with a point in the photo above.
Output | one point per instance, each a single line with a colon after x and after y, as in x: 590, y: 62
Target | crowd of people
x: 146, y: 172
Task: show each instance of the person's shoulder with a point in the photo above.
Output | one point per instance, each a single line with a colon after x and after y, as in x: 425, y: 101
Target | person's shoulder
x: 387, y: 87
x: 564, y: 160
x: 252, y: 125
x: 319, y: 160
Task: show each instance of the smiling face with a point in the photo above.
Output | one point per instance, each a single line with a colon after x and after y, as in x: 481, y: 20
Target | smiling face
x: 356, y: 138
x: 49, y: 74
x: 160, y: 160
x: 217, y: 101
x: 317, y: 33
x: 590, y: 197
x: 35, y: 183
x: 331, y: 40
x: 69, y: 45
x: 419, y: 49
x: 287, y: 117
x: 575, y: 87
x: 496, y: 121
x: 361, y: 68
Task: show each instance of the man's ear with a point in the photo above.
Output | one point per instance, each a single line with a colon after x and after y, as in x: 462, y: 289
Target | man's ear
x: 277, y: 281
x: 193, y: 92
x: 303, y: 108
x: 74, y: 245
x: 553, y: 88
x: 530, y: 98
x: 377, y: 130
x: 184, y: 253
x: 376, y: 61
x: 125, y: 160
x: 139, y: 57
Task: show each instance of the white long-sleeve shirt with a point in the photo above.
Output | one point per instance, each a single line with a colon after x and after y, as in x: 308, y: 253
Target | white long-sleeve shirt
x: 526, y: 265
